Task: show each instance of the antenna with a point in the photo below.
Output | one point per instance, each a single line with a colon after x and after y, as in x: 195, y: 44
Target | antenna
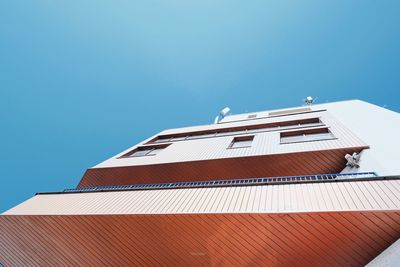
x: 309, y: 100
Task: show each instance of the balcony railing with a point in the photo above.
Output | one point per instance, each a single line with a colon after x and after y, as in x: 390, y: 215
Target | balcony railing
x: 225, y: 183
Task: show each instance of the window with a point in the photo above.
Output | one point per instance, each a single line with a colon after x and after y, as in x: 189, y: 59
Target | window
x: 163, y: 140
x: 178, y: 138
x: 241, y: 141
x: 250, y: 129
x: 289, y: 111
x: 231, y: 133
x: 306, y: 136
x: 204, y: 135
x: 145, y: 151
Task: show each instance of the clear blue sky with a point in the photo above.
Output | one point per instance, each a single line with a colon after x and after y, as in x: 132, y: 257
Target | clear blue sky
x: 83, y: 80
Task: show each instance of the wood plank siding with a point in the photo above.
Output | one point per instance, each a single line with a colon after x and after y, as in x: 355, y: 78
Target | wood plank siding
x: 301, y: 163
x: 295, y: 239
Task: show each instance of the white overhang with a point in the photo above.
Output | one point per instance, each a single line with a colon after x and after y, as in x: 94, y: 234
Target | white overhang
x: 308, y: 197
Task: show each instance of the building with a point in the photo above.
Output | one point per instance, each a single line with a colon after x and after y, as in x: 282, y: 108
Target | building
x: 311, y: 185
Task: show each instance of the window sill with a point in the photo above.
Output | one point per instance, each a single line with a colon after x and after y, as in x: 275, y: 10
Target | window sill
x: 307, y: 141
x: 238, y: 147
x: 128, y: 157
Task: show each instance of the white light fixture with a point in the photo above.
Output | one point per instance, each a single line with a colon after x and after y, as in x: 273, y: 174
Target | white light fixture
x: 225, y: 111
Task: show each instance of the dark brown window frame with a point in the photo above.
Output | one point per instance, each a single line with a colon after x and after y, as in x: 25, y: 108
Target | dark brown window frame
x: 292, y: 111
x: 273, y: 116
x: 307, y: 132
x: 239, y: 139
x: 267, y: 127
x: 142, y: 148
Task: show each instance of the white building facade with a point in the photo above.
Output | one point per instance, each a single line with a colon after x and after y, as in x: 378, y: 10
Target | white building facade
x: 310, y: 185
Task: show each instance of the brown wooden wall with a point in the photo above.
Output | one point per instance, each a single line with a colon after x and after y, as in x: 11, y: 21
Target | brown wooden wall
x: 296, y: 239
x: 304, y: 163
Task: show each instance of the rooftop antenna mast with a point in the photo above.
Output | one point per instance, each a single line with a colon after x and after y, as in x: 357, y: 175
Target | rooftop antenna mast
x: 309, y: 100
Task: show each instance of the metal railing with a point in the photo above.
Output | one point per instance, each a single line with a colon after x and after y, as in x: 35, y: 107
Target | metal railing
x: 236, y: 182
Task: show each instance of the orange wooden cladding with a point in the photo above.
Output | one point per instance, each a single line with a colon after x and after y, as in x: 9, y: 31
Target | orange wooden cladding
x: 304, y: 163
x: 295, y: 239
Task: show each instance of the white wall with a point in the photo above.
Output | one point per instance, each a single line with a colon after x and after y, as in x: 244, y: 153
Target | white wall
x: 265, y: 143
x: 378, y: 127
x: 390, y: 257
x: 354, y: 122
